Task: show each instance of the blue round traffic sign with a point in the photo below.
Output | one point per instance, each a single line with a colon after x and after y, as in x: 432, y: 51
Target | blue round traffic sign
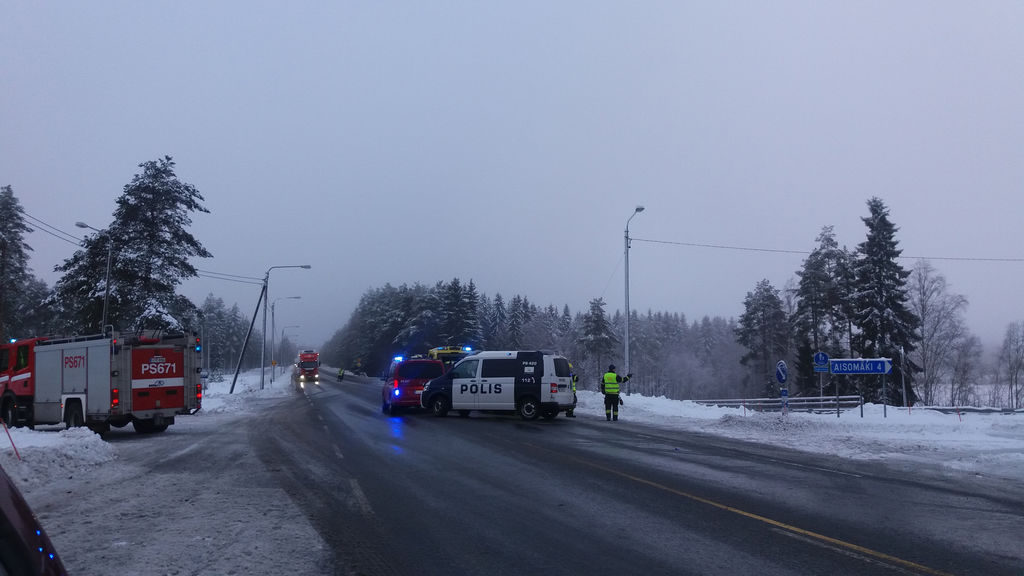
x: 781, y: 372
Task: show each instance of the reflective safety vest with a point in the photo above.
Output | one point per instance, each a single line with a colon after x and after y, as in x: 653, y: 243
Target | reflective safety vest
x: 575, y: 379
x: 611, y: 383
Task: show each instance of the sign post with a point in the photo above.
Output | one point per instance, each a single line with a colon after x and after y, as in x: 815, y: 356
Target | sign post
x: 821, y: 367
x: 782, y: 374
x: 880, y: 366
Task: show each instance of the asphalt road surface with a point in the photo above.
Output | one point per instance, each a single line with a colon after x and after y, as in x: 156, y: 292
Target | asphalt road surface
x: 492, y: 494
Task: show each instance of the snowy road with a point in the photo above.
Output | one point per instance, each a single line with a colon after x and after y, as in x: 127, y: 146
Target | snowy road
x: 273, y: 482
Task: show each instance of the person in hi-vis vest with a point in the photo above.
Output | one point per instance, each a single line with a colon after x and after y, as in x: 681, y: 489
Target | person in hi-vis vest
x: 610, y: 388
x: 570, y: 412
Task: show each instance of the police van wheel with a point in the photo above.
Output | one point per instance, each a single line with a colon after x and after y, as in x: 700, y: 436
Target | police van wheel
x: 439, y: 406
x: 528, y: 409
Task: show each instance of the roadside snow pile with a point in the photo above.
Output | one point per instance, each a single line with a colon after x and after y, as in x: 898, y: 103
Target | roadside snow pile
x: 51, y: 453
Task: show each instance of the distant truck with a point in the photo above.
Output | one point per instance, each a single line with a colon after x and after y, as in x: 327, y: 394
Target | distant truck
x: 307, y: 369
x: 449, y: 355
x: 144, y: 379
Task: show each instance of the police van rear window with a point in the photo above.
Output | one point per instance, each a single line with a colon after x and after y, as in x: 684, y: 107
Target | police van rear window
x: 420, y: 370
x: 562, y: 367
x: 500, y: 368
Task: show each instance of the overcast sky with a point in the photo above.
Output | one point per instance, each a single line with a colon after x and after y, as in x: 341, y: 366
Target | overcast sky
x: 508, y: 143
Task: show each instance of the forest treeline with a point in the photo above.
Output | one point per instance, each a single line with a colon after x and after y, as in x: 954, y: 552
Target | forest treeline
x: 848, y: 303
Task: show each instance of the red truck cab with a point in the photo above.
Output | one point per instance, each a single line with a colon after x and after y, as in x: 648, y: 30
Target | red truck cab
x: 307, y: 369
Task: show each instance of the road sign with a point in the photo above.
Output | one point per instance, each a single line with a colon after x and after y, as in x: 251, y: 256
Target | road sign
x: 781, y: 372
x: 860, y: 366
x: 820, y: 362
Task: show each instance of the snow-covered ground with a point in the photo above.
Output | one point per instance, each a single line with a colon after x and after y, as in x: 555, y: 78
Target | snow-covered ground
x: 982, y: 444
x: 987, y: 444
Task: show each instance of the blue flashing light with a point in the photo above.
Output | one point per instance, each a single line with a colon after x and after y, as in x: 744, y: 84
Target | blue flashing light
x: 397, y: 391
x: 38, y: 533
x: 399, y: 358
x: 13, y: 340
x: 468, y: 348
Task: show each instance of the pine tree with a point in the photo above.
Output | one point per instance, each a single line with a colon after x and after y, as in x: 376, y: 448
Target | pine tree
x: 452, y: 312
x: 517, y: 317
x: 14, y: 271
x: 821, y: 321
x: 598, y: 341
x: 499, y: 324
x: 150, y: 256
x: 764, y: 331
x: 471, y: 333
x: 883, y: 317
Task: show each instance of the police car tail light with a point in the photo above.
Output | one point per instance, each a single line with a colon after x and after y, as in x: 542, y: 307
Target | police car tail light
x: 554, y: 387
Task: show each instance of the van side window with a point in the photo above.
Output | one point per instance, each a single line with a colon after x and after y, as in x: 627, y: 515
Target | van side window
x: 562, y: 367
x: 465, y: 369
x: 21, y: 361
x: 500, y: 368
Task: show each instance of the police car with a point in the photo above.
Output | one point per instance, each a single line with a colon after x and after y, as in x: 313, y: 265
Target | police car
x: 529, y: 383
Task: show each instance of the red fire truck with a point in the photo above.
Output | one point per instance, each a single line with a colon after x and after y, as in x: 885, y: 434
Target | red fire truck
x: 307, y: 368
x: 145, y: 379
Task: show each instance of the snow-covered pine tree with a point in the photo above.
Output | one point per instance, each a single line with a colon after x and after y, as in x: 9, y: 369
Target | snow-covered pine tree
x: 764, y: 331
x: 883, y: 316
x: 14, y: 270
x: 151, y: 251
x: 598, y: 341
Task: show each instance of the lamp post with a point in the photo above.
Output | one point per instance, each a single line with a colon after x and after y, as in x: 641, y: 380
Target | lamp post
x: 106, y: 283
x: 273, y: 330
x: 266, y: 294
x: 629, y: 388
x: 282, y: 334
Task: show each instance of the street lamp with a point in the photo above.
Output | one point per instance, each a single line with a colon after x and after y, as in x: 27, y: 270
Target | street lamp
x: 273, y: 330
x: 282, y: 335
x: 106, y: 283
x: 639, y: 209
x: 266, y: 294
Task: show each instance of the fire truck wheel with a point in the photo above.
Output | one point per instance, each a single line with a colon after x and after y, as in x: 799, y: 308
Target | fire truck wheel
x: 8, y: 413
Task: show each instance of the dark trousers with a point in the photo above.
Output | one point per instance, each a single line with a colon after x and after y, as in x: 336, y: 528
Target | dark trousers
x: 611, y: 406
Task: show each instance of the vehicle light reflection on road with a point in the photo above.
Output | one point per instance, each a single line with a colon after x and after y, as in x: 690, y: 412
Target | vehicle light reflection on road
x: 397, y: 431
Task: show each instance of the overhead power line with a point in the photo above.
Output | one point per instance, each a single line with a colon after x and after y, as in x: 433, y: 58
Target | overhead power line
x: 57, y: 232
x: 211, y: 276
x: 780, y: 251
x: 260, y: 280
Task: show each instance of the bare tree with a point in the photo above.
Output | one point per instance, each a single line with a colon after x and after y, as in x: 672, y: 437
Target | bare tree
x: 964, y: 376
x: 942, y: 327
x: 1011, y: 362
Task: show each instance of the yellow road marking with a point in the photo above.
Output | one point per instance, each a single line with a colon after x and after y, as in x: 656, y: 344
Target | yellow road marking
x: 776, y: 523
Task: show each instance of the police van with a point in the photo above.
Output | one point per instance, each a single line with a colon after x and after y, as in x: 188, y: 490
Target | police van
x: 529, y: 383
